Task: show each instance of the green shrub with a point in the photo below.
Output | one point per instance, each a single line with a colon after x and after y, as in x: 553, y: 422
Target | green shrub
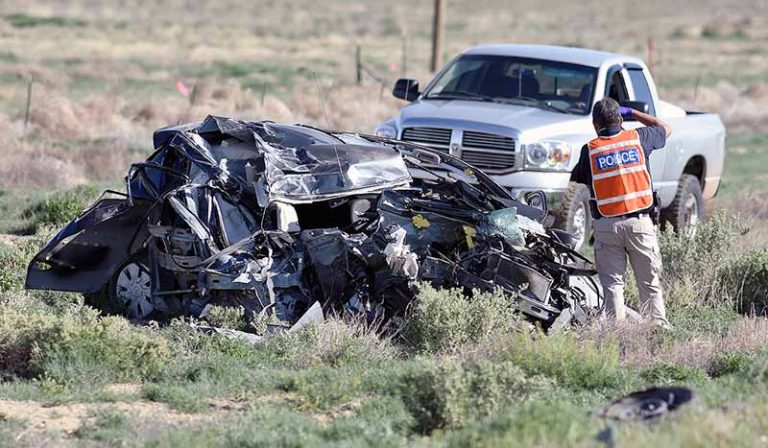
x: 543, y: 422
x: 730, y: 363
x: 226, y: 316
x: 443, y: 320
x: 107, y: 427
x: 183, y: 398
x: 692, y: 265
x: 107, y: 349
x: 59, y: 208
x: 14, y: 261
x: 745, y: 282
x: 751, y: 367
x: 75, y: 344
x: 578, y: 363
x: 698, y: 319
x: 21, y: 336
x: 21, y: 20
x: 332, y: 343
x: 448, y: 393
x: 672, y: 373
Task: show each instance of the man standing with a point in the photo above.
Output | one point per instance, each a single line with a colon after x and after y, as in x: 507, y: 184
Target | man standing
x: 615, y: 167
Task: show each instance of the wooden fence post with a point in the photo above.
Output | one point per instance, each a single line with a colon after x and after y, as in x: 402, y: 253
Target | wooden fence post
x: 28, y: 106
x: 438, y: 23
x: 651, y: 67
x: 404, y: 56
x: 358, y: 65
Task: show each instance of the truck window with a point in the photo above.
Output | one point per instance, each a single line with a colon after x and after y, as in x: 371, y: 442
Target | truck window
x: 642, y: 91
x: 550, y: 85
x: 616, y: 88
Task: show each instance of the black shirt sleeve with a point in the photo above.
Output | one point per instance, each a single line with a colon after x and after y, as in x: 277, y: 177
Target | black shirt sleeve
x: 652, y: 138
x: 581, y: 172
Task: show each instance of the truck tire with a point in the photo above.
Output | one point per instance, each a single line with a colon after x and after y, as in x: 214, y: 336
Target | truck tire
x: 687, y: 210
x: 575, y: 216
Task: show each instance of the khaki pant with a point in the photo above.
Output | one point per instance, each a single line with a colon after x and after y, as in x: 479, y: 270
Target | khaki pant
x: 617, y: 238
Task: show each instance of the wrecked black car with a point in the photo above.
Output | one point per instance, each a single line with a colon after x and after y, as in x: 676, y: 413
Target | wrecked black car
x: 275, y: 218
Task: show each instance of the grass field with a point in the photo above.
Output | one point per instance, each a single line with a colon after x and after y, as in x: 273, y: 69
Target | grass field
x: 104, y: 77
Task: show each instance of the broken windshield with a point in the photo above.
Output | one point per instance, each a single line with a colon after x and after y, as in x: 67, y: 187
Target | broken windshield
x: 550, y: 85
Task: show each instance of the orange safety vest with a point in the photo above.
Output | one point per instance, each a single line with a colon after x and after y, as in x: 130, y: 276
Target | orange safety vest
x: 620, y: 178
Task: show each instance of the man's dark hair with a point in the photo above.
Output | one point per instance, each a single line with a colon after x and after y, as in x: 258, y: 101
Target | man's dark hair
x: 606, y: 112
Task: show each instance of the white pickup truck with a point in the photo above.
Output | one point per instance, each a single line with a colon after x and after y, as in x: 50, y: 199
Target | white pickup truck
x: 521, y: 113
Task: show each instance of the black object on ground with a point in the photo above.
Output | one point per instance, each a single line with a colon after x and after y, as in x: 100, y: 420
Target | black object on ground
x: 648, y: 404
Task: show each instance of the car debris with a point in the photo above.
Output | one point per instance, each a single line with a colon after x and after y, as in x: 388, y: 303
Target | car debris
x: 648, y: 404
x: 275, y: 217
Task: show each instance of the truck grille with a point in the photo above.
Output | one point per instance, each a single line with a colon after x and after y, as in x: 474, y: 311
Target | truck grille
x: 482, y: 140
x: 489, y: 161
x: 437, y: 138
x: 489, y: 152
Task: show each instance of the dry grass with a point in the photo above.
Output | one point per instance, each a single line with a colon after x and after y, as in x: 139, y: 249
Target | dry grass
x: 70, y: 142
x: 103, y: 84
x: 742, y: 108
x: 643, y: 346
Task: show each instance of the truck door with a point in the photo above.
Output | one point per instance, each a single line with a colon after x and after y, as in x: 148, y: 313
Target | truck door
x: 629, y: 83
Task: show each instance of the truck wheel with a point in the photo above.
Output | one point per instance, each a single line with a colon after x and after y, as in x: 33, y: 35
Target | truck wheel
x: 575, y: 216
x: 687, y: 210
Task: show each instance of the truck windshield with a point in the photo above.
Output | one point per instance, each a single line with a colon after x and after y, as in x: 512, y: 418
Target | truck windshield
x: 550, y: 85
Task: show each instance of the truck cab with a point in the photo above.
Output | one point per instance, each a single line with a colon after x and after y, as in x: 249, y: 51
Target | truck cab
x: 521, y: 113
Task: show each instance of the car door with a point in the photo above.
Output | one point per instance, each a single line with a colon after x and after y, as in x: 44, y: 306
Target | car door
x: 82, y: 256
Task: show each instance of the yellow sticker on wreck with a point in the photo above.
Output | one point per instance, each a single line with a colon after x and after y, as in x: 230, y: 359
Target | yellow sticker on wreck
x: 420, y: 222
x: 470, y: 232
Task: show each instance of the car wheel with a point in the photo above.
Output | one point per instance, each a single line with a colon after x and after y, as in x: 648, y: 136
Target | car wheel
x: 130, y: 289
x: 575, y: 216
x: 687, y: 210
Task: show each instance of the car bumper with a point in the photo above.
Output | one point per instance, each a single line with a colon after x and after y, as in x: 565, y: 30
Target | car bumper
x: 534, y: 180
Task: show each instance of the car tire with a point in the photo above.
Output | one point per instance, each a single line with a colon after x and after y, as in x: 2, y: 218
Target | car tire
x: 575, y: 216
x: 128, y: 291
x: 687, y: 209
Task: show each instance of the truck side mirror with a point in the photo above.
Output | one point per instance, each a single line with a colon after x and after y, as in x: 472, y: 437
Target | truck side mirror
x: 406, y: 89
x: 637, y: 105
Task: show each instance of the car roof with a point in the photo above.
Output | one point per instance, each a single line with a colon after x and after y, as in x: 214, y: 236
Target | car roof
x: 573, y: 55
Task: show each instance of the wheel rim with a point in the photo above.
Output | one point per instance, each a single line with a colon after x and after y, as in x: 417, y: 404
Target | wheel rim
x: 691, y: 215
x: 133, y: 290
x: 579, y: 224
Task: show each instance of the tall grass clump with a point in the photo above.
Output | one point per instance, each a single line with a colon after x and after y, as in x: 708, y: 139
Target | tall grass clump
x: 693, y: 265
x: 572, y: 360
x: 444, y: 320
x: 744, y: 281
x: 708, y: 270
x: 333, y: 343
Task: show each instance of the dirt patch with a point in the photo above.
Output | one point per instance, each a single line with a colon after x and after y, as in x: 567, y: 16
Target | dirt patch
x: 12, y: 241
x: 124, y: 389
x: 68, y: 418
x: 226, y: 404
x: 343, y: 410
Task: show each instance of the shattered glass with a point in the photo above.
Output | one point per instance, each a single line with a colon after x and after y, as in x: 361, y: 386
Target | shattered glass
x: 504, y: 223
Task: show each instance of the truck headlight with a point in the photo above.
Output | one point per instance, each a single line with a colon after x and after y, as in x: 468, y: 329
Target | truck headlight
x: 385, y: 131
x: 547, y: 155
